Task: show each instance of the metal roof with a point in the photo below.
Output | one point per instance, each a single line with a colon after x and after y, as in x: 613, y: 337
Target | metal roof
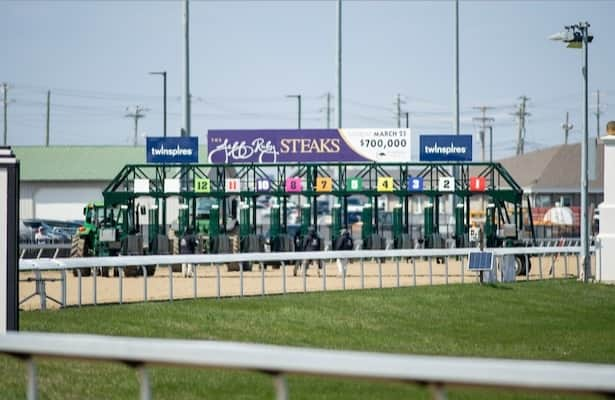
x: 79, y: 163
x: 555, y: 169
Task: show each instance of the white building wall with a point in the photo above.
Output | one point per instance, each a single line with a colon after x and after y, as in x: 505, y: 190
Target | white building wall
x: 26, y: 203
x: 57, y: 200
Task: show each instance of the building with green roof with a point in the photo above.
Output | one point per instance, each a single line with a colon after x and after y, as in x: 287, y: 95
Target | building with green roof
x: 56, y: 181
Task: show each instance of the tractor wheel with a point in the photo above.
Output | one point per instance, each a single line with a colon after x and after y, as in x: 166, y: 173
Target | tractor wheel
x: 520, y: 265
x: 78, y: 249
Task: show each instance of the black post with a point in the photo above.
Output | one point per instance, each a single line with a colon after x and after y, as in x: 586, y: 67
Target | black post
x: 164, y: 79
x: 9, y: 212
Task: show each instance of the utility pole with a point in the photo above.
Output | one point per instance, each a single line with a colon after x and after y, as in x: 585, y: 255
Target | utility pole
x: 187, y: 130
x: 456, y: 173
x: 339, y: 63
x: 521, y: 114
x: 485, y: 123
x: 48, y: 117
x: 137, y: 115
x: 407, y: 116
x: 598, y: 113
x: 298, y: 97
x: 567, y: 127
x: 328, y: 109
x: 164, y: 100
x: 398, y: 103
x: 5, y: 90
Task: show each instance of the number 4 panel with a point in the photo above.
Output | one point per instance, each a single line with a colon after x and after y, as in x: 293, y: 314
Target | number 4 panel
x: 385, y: 184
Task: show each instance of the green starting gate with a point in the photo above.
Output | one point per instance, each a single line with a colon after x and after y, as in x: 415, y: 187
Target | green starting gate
x: 244, y: 183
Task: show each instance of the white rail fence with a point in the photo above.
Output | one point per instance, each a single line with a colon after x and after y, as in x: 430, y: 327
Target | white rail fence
x: 39, y: 250
x: 437, y: 373
x: 448, y: 262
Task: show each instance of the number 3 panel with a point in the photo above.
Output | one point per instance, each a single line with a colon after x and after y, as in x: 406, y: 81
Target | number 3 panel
x: 415, y: 184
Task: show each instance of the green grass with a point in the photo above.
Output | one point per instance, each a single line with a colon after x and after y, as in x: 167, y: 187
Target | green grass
x: 550, y: 320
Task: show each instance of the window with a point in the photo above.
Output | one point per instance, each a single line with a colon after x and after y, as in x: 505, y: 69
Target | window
x: 543, y: 200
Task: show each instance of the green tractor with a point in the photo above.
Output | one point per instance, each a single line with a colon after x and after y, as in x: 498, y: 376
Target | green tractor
x: 108, y: 232
x: 99, y: 236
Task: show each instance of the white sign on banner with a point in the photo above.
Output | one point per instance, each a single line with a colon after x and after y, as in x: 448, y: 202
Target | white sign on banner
x: 171, y: 186
x: 141, y: 186
x: 379, y: 144
x: 446, y: 184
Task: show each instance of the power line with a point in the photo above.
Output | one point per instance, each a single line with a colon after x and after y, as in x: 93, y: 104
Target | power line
x: 328, y: 109
x: 398, y: 104
x: 361, y: 104
x: 598, y: 113
x: 137, y: 114
x: 485, y: 122
x: 567, y: 127
x: 521, y: 114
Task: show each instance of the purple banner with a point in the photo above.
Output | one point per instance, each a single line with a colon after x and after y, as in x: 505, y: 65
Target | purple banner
x: 269, y: 146
x: 309, y: 145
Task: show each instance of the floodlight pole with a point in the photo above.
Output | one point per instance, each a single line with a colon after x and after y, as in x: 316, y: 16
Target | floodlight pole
x: 456, y: 174
x: 164, y: 99
x: 339, y: 64
x: 187, y: 129
x: 576, y: 34
x: 584, y: 27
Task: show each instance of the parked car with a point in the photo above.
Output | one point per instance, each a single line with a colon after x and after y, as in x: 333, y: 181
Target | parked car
x: 26, y: 234
x: 49, y: 233
x: 68, y: 228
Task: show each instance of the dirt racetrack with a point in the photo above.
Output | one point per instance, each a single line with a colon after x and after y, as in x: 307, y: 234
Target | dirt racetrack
x: 101, y: 290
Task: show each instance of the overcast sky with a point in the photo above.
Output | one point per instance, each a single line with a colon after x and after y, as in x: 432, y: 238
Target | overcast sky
x: 246, y: 56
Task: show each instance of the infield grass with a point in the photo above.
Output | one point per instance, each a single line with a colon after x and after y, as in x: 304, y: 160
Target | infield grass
x: 548, y: 320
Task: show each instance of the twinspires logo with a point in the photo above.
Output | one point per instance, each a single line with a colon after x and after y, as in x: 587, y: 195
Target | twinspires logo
x: 446, y: 148
x: 178, y: 151
x: 172, y: 150
x: 452, y: 149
